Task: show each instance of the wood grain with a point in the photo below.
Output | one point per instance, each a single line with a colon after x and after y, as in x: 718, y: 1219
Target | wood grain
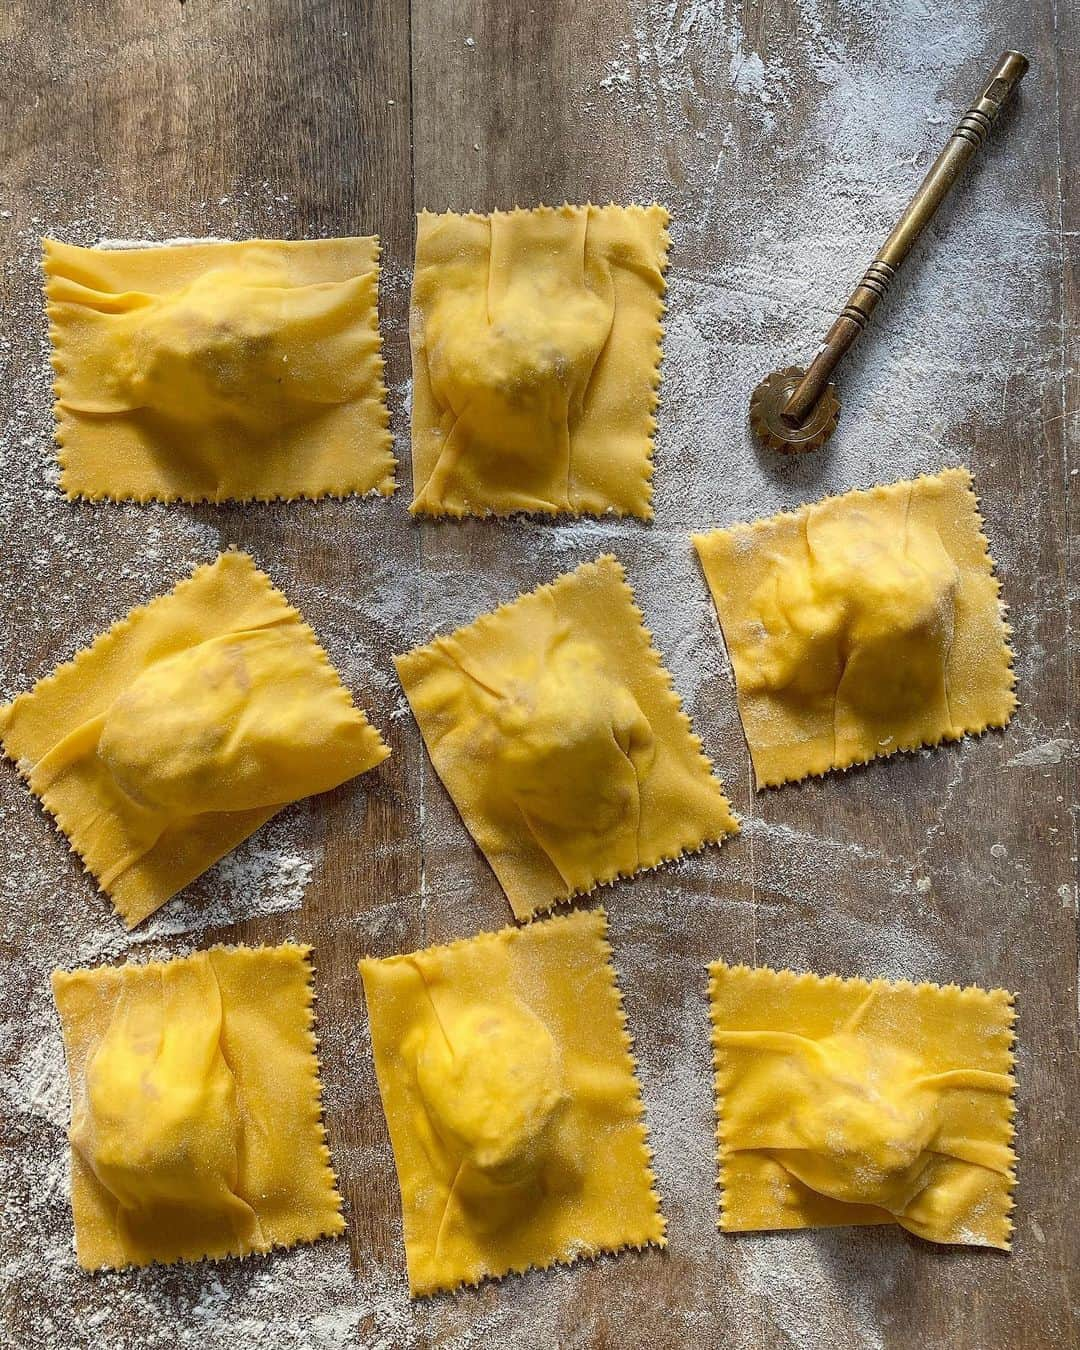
x: 336, y: 117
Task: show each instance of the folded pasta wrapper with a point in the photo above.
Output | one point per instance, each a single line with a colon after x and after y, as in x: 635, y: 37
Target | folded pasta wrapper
x: 536, y: 342
x: 183, y: 729
x: 507, y: 1077
x: 862, y: 625
x: 196, y: 1116
x: 557, y: 732
x: 219, y: 371
x: 863, y: 1102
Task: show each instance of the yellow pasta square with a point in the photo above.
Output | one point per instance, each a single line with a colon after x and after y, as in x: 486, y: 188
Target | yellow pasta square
x: 555, y: 728
x: 536, y: 350
x: 507, y: 1079
x: 184, y: 728
x: 863, y: 1102
x: 219, y: 371
x: 196, y: 1123
x: 862, y: 625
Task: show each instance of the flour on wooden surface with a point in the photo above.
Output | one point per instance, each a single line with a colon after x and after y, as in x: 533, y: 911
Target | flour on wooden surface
x: 936, y: 367
x: 175, y: 241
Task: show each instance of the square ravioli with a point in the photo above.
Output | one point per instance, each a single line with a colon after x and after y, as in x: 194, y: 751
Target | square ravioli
x: 556, y: 731
x: 863, y: 1102
x: 182, y: 729
x: 507, y: 1079
x: 214, y: 371
x: 862, y: 625
x: 536, y: 351
x: 196, y: 1120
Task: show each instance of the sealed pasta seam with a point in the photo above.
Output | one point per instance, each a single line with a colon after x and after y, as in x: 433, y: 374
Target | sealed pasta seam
x: 999, y: 595
x: 317, y: 1110
x: 509, y: 933
x: 417, y: 658
x: 721, y: 1083
x: 565, y: 208
x: 785, y: 975
x: 606, y: 956
x: 165, y: 499
x: 1011, y: 1178
x: 658, y: 332
x: 379, y: 395
x: 537, y: 514
x: 322, y: 659
x: 160, y: 964
x: 57, y: 364
x: 56, y: 821
x: 947, y: 737
x: 587, y: 1253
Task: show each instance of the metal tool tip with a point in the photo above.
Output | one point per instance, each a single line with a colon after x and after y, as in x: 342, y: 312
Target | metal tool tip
x: 774, y: 431
x: 1012, y: 66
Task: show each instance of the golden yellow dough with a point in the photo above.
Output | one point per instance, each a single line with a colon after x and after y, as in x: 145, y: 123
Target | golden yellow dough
x: 856, y: 1102
x: 219, y: 371
x: 184, y: 728
x: 508, y: 1083
x: 196, y: 1124
x: 558, y: 735
x: 536, y: 350
x: 862, y: 625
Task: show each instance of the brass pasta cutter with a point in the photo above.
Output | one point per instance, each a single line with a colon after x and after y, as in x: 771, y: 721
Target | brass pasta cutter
x: 795, y: 409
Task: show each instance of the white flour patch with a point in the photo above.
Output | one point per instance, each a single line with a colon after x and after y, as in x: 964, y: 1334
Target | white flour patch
x: 1040, y: 756
x: 160, y: 243
x: 811, y: 1282
x: 264, y: 875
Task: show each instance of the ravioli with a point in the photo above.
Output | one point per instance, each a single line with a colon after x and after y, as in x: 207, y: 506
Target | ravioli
x: 536, y: 350
x: 196, y: 1123
x: 184, y: 728
x: 863, y: 1102
x: 558, y: 735
x: 507, y: 1079
x: 219, y: 371
x: 862, y: 625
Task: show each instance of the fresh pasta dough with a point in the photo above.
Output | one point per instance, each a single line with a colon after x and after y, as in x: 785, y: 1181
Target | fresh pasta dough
x: 863, y: 1102
x: 219, y: 371
x: 536, y: 349
x: 862, y: 625
x: 196, y: 1124
x: 508, y: 1085
x: 184, y: 728
x: 558, y: 735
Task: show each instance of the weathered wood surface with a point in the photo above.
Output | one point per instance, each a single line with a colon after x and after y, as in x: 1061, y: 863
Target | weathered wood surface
x: 283, y: 117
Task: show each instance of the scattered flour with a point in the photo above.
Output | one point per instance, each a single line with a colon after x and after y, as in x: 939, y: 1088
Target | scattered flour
x: 757, y: 273
x: 1041, y: 756
x: 160, y: 243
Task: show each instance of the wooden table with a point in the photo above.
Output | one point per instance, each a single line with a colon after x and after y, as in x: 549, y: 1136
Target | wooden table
x: 282, y: 117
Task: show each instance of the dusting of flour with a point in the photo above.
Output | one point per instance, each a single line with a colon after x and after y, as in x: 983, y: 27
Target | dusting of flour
x: 758, y: 269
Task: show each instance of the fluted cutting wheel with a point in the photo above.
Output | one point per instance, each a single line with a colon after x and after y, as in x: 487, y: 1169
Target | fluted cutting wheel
x: 766, y: 407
